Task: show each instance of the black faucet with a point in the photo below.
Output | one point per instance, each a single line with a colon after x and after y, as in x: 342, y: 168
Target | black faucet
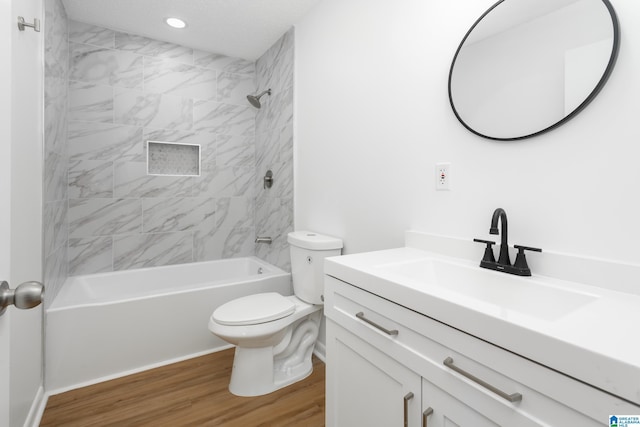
x: 503, y: 264
x: 499, y: 213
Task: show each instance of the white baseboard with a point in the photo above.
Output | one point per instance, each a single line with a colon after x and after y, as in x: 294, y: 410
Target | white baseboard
x: 320, y: 351
x: 136, y: 370
x: 37, y: 408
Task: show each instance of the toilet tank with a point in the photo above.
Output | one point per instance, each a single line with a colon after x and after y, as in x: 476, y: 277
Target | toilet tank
x: 308, y: 251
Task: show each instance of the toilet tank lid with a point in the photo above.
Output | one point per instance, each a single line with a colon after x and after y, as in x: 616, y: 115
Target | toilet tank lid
x: 314, y: 241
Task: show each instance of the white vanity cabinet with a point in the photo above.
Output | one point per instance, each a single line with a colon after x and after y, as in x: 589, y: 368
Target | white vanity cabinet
x: 367, y: 387
x: 386, y: 367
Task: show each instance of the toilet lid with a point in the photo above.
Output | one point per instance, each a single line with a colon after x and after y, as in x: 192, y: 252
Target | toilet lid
x: 254, y: 309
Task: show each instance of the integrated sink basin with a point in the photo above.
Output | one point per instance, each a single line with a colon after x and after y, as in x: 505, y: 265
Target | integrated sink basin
x: 525, y: 295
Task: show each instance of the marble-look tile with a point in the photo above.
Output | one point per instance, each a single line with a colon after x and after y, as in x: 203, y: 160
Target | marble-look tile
x: 155, y: 48
x: 235, y: 212
x: 79, y: 32
x: 55, y: 115
x: 90, y: 255
x: 152, y: 250
x: 56, y: 70
x: 131, y: 180
x: 225, y: 182
x: 274, y: 218
x: 205, y: 139
x: 277, y: 114
x: 93, y: 64
x: 90, y: 102
x: 90, y: 179
x: 274, y: 150
x: 283, y: 181
x: 55, y: 177
x: 98, y: 141
x: 178, y: 79
x: 273, y: 215
x: 54, y: 224
x: 219, y: 243
x: 223, y: 118
x: 161, y: 215
x: 277, y: 253
x: 274, y: 68
x: 234, y: 88
x: 235, y: 242
x: 55, y: 274
x: 267, y: 149
x: 56, y: 55
x: 203, y: 248
x: 286, y: 143
x: 104, y: 217
x: 235, y: 150
x: 152, y: 110
x: 224, y: 63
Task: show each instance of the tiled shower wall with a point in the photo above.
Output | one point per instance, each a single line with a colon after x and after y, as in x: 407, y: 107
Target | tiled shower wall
x: 274, y: 150
x: 125, y: 90
x: 55, y: 148
x: 107, y: 93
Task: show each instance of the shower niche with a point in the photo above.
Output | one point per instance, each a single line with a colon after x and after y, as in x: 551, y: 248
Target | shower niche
x: 173, y: 159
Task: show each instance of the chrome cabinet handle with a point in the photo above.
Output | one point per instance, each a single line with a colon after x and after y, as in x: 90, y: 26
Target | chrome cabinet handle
x: 514, y: 397
x: 375, y: 325
x: 407, y: 398
x: 425, y: 415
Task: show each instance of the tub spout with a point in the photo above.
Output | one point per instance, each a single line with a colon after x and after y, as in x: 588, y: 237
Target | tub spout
x: 264, y: 239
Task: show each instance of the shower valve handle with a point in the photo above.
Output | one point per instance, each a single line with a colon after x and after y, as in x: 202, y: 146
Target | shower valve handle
x: 268, y: 179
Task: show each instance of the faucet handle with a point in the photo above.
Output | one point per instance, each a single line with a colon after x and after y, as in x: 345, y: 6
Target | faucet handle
x: 521, y: 249
x: 521, y: 260
x: 488, y: 251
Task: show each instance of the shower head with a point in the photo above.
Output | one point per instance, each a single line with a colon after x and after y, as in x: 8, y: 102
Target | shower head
x: 255, y: 99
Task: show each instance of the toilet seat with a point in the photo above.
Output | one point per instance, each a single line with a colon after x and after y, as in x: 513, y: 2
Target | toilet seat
x: 254, y: 309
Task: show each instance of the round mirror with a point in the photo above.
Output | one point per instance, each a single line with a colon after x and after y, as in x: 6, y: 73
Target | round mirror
x: 527, y: 66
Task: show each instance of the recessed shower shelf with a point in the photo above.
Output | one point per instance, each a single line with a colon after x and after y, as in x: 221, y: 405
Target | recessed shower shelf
x: 173, y: 159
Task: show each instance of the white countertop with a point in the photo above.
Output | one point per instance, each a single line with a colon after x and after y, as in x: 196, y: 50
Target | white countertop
x: 597, y: 343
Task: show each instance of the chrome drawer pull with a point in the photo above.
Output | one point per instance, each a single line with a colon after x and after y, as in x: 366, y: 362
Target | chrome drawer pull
x: 425, y: 415
x: 375, y: 325
x: 407, y: 398
x: 514, y: 397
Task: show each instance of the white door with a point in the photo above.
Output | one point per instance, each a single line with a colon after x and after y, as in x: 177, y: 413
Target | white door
x: 21, y: 105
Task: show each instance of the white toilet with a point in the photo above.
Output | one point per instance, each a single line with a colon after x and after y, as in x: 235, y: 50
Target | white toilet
x: 274, y: 334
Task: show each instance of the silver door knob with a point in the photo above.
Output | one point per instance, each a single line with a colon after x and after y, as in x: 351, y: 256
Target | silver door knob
x: 26, y: 295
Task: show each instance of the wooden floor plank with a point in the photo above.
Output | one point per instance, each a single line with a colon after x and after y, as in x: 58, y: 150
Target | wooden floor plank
x: 190, y: 393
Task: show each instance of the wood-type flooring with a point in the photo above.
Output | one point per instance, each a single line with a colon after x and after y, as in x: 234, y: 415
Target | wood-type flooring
x: 189, y: 393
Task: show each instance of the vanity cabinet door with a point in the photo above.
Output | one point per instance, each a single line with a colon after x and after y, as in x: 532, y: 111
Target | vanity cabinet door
x: 365, y: 387
x: 445, y: 409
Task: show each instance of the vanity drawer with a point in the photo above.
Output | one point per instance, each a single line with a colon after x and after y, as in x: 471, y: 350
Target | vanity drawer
x: 423, y: 344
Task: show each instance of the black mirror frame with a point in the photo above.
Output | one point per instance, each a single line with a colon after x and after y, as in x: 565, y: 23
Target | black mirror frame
x: 582, y: 106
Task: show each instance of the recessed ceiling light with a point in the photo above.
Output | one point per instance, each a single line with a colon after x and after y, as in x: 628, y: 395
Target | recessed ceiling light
x: 175, y: 22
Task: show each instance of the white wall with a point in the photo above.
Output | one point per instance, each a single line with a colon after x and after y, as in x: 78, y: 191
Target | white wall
x: 373, y: 117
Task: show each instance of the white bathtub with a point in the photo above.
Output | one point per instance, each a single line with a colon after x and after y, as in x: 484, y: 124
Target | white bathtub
x: 104, y: 326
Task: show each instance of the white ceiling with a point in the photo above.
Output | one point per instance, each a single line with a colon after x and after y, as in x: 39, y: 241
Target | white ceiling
x: 239, y: 28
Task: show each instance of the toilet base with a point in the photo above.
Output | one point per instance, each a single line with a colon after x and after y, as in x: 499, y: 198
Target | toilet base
x: 259, y: 371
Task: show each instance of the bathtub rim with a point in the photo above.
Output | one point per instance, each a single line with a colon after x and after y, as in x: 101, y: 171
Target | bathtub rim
x: 273, y: 272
